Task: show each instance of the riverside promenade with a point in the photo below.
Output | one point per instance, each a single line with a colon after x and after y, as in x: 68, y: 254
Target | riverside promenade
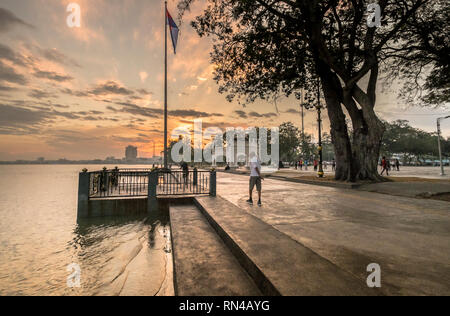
x: 342, y: 231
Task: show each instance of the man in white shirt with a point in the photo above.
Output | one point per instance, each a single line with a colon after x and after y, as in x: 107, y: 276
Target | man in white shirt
x: 255, y: 177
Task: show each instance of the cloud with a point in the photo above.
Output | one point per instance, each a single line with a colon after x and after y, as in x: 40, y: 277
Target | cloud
x: 106, y: 88
x: 135, y: 109
x: 139, y: 110
x: 7, y: 88
x: 264, y: 115
x: 8, y: 74
x: 8, y: 20
x: 192, y: 113
x: 52, y: 54
x: 110, y: 87
x: 292, y: 111
x: 74, y: 93
x: 40, y: 94
x: 52, y: 76
x: 11, y: 116
x: 241, y: 114
x: 8, y: 54
x: 144, y: 92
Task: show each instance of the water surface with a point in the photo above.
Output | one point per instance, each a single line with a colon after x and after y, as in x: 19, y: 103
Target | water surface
x: 40, y: 237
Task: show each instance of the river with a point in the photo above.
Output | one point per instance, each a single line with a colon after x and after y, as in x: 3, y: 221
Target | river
x: 40, y: 237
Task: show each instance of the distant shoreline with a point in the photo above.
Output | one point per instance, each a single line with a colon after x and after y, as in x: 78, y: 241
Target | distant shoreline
x: 78, y: 163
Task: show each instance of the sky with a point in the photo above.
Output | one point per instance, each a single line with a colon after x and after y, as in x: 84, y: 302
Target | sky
x: 88, y: 92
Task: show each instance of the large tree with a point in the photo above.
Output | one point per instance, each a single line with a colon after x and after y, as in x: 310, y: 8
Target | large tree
x: 264, y: 48
x: 289, y: 142
x: 421, y: 57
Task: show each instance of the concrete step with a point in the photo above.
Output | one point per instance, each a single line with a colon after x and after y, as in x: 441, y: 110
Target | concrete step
x: 278, y: 264
x: 203, y: 264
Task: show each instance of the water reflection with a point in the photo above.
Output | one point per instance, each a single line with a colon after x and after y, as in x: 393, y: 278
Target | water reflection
x: 123, y: 255
x: 40, y: 237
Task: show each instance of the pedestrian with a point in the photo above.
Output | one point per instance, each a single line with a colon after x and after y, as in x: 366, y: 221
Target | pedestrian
x: 333, y: 165
x: 384, y: 166
x: 255, y: 178
x: 296, y: 165
x: 301, y: 164
x: 316, y: 164
x: 185, y: 168
x: 397, y: 164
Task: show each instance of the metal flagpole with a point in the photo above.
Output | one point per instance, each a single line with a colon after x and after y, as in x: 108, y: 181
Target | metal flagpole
x: 165, y: 87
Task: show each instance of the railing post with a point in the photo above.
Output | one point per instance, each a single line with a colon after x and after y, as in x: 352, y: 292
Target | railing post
x: 212, y: 183
x: 83, y: 194
x: 152, y: 202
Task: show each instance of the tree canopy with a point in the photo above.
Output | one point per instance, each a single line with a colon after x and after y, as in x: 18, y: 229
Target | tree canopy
x: 266, y: 48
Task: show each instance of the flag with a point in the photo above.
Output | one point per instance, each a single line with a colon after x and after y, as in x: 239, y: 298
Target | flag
x: 173, y: 31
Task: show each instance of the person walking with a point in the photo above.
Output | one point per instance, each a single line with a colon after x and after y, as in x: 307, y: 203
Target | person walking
x: 185, y: 168
x: 333, y: 165
x: 301, y: 164
x: 384, y: 166
x: 316, y: 164
x: 397, y: 164
x: 255, y: 178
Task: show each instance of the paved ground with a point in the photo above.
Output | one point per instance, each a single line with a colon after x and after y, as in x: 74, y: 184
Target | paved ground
x: 204, y: 266
x: 278, y: 264
x: 410, y: 189
x: 409, y: 238
x: 419, y: 172
x: 415, y: 182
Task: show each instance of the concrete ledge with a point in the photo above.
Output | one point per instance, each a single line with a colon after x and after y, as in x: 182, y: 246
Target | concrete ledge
x: 278, y: 264
x: 203, y: 264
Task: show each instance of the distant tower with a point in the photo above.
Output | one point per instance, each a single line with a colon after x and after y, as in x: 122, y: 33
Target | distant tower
x: 131, y: 153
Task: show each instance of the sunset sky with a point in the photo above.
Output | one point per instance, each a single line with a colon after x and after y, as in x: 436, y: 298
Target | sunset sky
x: 85, y: 93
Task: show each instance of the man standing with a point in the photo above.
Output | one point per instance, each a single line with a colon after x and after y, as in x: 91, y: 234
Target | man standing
x: 397, y: 164
x: 255, y: 178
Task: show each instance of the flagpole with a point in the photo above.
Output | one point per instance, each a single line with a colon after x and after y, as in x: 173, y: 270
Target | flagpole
x: 165, y: 87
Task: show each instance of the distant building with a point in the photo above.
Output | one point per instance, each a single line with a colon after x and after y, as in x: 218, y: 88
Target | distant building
x: 131, y: 153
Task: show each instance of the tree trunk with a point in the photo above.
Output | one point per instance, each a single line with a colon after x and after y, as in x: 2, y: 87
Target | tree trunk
x: 356, y: 160
x: 366, y: 139
x: 339, y: 131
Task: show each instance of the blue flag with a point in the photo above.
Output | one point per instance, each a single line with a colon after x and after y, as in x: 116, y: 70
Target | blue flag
x: 173, y: 31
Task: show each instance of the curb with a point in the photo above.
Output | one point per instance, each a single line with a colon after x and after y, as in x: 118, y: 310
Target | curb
x: 260, y: 279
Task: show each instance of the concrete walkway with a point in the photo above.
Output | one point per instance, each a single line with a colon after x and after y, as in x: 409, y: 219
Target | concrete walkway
x: 410, y: 189
x: 277, y: 263
x: 203, y: 265
x: 409, y: 238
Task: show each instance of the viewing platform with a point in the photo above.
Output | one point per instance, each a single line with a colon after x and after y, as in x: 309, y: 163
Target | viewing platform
x: 133, y: 191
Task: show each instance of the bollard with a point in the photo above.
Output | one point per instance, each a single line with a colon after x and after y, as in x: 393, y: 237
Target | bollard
x: 83, y: 194
x: 152, y: 201
x: 212, y: 183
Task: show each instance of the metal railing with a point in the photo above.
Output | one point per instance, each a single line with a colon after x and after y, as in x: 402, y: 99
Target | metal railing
x: 113, y: 183
x: 183, y: 183
x: 125, y: 183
